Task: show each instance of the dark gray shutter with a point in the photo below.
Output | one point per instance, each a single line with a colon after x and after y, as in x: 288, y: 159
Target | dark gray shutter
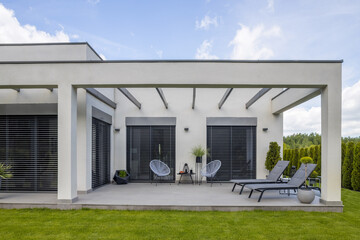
x: 29, y: 145
x: 235, y: 147
x: 100, y: 153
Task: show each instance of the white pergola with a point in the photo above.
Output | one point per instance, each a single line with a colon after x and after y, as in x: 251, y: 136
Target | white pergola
x: 303, y: 80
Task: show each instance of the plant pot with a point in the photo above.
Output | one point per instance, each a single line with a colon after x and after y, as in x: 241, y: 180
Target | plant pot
x: 199, y: 159
x: 121, y: 180
x: 306, y: 195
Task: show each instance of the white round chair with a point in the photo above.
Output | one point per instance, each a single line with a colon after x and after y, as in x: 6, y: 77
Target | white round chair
x: 159, y: 168
x: 210, y: 169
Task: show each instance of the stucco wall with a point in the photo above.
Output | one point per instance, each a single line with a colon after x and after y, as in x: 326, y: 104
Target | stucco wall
x: 206, y: 105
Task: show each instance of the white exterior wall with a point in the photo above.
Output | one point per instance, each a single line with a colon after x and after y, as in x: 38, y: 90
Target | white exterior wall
x: 206, y: 105
x: 47, y: 52
x: 84, y: 138
x: 85, y: 101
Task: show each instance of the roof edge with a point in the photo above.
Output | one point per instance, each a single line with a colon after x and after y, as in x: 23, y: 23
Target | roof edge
x: 180, y: 61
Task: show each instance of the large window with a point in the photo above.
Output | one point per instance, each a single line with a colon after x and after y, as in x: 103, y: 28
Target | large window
x: 145, y: 143
x: 100, y: 163
x: 235, y: 147
x: 29, y: 145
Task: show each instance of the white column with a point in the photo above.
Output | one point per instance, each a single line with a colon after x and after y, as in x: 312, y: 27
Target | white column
x: 83, y: 143
x: 331, y: 144
x: 67, y: 111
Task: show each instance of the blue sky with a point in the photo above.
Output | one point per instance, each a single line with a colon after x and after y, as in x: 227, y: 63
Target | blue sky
x: 205, y: 29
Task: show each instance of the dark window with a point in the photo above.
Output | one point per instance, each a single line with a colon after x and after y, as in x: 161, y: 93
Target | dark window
x: 100, y: 153
x: 145, y: 143
x: 235, y: 147
x: 29, y: 145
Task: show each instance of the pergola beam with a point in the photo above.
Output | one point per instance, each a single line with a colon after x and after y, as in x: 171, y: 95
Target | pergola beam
x: 162, y: 96
x: 257, y: 97
x: 226, y: 95
x: 194, y: 96
x: 292, y: 97
x: 129, y: 96
x: 101, y: 97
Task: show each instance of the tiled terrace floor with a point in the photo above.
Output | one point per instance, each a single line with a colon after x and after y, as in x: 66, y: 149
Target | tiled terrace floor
x: 145, y: 196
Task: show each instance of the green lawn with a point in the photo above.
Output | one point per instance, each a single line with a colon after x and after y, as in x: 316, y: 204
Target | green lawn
x: 113, y: 224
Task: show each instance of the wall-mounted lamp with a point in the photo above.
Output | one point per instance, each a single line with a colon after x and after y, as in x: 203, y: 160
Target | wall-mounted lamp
x: 117, y: 129
x: 186, y: 129
x: 265, y: 129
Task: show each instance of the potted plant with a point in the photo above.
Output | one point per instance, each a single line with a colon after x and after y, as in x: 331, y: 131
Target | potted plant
x: 306, y: 195
x: 199, y: 152
x: 121, y: 177
x: 4, y: 172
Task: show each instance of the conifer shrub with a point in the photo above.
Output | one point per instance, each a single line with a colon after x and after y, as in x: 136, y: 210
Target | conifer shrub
x: 318, y: 162
x: 355, y: 175
x: 348, y: 166
x: 272, y: 156
x: 296, y: 158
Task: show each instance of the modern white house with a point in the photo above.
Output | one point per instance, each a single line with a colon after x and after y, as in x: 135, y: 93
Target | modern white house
x: 68, y: 119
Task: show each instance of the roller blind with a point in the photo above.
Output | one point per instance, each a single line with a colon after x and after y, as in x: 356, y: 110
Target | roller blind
x: 145, y: 143
x: 235, y: 147
x: 29, y: 145
x: 100, y: 153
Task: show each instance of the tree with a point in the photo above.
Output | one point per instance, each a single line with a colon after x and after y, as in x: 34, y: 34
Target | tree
x: 306, y: 152
x: 312, y: 152
x: 316, y: 154
x: 343, y: 154
x: 318, y: 162
x: 272, y: 156
x: 348, y: 165
x: 289, y: 158
x: 296, y: 158
x: 355, y: 175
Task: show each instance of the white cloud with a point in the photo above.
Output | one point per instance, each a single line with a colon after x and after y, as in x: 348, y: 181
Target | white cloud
x: 206, y: 22
x: 203, y: 52
x: 93, y: 2
x: 302, y: 120
x: 351, y: 110
x: 270, y: 5
x: 250, y: 43
x: 11, y: 31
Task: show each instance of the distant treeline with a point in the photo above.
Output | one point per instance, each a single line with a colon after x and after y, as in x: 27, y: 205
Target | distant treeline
x: 303, y: 140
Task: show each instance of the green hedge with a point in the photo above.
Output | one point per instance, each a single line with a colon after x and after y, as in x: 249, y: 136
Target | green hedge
x: 355, y: 175
x: 350, y: 162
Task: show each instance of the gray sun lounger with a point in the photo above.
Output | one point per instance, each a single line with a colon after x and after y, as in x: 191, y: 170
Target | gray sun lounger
x: 273, y: 176
x: 295, y: 183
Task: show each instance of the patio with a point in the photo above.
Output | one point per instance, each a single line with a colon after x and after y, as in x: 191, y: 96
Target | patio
x: 146, y: 196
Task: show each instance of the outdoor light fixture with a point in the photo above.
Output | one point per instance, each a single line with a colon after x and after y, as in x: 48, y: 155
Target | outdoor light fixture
x: 117, y: 129
x: 186, y: 129
x: 265, y: 129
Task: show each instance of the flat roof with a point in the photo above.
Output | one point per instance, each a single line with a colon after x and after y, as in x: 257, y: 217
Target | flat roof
x: 154, y: 61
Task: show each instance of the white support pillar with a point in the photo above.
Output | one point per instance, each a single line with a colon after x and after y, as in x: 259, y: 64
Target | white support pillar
x: 67, y: 112
x: 83, y: 143
x: 331, y: 144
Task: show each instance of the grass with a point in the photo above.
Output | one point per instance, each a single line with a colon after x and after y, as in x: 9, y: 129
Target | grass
x: 112, y: 224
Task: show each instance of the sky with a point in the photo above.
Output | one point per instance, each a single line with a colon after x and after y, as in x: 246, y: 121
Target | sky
x: 206, y: 29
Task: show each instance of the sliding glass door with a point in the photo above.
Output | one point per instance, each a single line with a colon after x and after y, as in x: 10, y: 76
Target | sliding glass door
x: 235, y: 147
x: 145, y: 143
